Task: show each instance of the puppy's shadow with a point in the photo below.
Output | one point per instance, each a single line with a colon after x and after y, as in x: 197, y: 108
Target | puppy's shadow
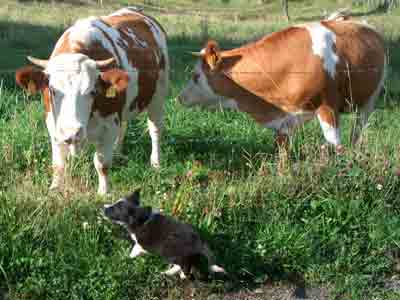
x: 246, y: 269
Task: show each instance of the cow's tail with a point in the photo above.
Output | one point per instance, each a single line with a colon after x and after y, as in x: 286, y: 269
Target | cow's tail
x: 341, y: 14
x: 212, y: 266
x: 136, y: 8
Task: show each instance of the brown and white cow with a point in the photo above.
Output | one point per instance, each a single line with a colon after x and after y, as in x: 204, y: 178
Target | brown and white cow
x: 288, y: 77
x: 102, y: 72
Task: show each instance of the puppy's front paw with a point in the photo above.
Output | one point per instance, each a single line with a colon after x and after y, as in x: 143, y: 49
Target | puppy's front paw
x: 136, y: 251
x: 173, y: 270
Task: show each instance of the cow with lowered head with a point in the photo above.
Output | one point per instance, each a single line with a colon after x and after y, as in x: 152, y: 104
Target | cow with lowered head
x: 319, y: 69
x: 103, y: 71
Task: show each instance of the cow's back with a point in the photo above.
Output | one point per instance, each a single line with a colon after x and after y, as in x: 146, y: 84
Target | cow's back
x: 295, y: 66
x: 136, y: 41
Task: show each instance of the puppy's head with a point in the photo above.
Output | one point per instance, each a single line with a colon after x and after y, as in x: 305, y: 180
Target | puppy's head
x: 127, y: 211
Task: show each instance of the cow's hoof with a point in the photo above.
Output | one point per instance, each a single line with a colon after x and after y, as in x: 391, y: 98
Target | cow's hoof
x: 55, y: 187
x: 340, y: 149
x: 155, y: 165
x: 103, y: 192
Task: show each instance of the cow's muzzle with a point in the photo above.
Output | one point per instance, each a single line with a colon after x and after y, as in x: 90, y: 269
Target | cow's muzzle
x: 180, y: 98
x: 72, y: 136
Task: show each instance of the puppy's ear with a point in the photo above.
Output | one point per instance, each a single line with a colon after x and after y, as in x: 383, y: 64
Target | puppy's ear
x: 134, y: 197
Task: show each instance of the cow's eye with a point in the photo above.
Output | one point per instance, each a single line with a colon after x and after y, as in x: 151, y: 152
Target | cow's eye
x: 196, y: 77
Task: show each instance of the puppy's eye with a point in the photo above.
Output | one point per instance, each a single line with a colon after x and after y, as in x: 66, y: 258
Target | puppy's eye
x: 196, y: 77
x: 93, y: 93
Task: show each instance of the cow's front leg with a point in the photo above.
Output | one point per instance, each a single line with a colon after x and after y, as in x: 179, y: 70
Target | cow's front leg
x: 59, y: 155
x: 155, y: 124
x: 121, y: 136
x: 102, y: 162
x: 103, y: 156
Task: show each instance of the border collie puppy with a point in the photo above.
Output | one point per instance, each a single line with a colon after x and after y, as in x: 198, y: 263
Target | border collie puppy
x: 153, y: 232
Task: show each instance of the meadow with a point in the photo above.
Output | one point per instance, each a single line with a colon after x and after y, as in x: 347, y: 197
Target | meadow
x: 317, y: 225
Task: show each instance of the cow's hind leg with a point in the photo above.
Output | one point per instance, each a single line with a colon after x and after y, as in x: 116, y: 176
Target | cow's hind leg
x: 329, y: 121
x: 156, y: 118
x: 360, y: 122
x: 285, y: 127
x: 363, y: 113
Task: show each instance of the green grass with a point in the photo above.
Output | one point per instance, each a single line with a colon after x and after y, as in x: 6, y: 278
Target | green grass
x: 331, y: 220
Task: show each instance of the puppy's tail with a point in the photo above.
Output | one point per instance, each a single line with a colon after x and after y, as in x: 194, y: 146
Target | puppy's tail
x: 212, y: 266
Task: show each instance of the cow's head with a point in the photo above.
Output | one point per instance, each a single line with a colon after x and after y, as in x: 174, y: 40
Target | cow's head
x: 72, y: 82
x: 199, y: 90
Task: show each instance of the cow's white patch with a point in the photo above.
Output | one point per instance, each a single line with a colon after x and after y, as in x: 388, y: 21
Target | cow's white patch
x: 199, y: 92
x: 72, y: 79
x: 155, y: 133
x: 129, y: 32
x: 82, y: 31
x: 323, y: 42
x: 92, y: 30
x: 155, y: 111
x: 107, y: 133
x: 125, y: 10
x: 290, y: 121
x: 331, y: 133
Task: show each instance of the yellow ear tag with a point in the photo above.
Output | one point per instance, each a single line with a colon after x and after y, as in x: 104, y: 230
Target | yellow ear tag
x: 111, y: 92
x: 31, y: 87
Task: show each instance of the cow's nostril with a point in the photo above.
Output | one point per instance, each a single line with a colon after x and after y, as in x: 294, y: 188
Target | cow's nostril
x: 68, y: 141
x: 179, y: 98
x: 72, y: 136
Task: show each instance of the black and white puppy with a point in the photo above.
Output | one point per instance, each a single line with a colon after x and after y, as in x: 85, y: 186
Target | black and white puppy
x: 153, y: 232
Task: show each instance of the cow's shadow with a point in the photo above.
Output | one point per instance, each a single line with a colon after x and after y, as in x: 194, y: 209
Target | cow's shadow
x: 222, y: 152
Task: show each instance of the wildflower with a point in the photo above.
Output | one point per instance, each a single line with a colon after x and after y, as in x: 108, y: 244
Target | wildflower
x: 379, y: 187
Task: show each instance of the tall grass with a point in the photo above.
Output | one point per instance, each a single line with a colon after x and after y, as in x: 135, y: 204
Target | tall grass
x: 330, y: 220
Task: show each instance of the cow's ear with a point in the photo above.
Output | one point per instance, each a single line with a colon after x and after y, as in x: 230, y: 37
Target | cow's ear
x: 212, y: 55
x: 114, y: 81
x: 31, y: 79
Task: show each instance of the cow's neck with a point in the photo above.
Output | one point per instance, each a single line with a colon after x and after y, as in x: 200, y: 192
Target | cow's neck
x: 224, y: 83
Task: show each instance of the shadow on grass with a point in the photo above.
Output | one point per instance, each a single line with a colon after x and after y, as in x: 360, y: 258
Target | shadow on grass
x: 228, y: 153
x: 247, y: 269
x: 18, y: 40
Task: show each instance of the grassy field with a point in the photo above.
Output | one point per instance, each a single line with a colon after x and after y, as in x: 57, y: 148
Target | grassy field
x: 321, y: 224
